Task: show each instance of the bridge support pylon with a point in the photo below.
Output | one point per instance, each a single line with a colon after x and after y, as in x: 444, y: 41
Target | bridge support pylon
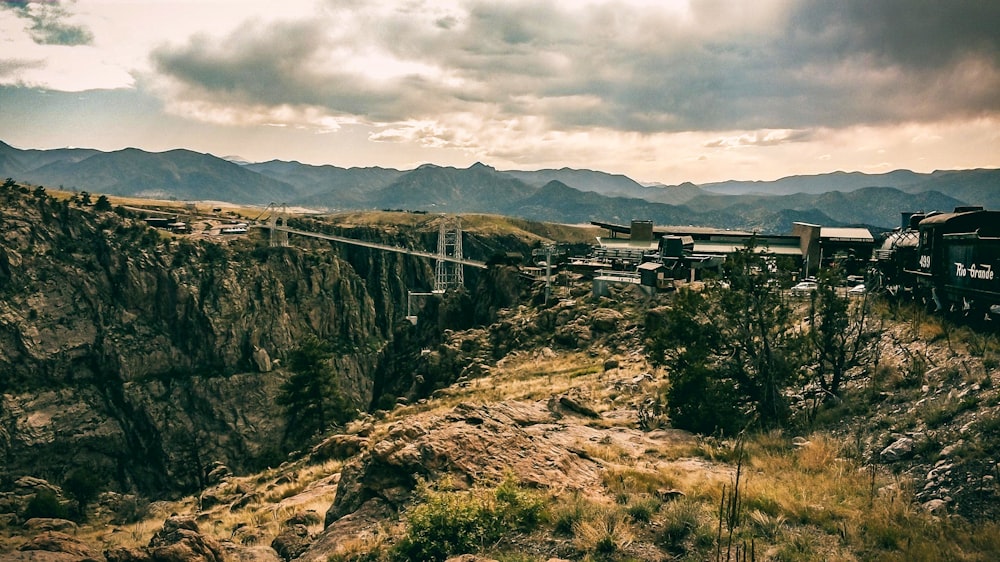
x: 279, y: 238
x: 449, y: 274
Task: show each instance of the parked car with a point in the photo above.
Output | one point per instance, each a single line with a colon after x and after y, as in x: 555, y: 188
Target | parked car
x: 856, y: 290
x: 804, y: 288
x: 855, y: 280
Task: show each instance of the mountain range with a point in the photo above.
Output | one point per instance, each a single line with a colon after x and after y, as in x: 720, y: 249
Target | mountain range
x: 561, y: 195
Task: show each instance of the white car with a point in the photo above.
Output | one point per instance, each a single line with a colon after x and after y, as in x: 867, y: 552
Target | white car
x: 804, y: 288
x: 858, y: 289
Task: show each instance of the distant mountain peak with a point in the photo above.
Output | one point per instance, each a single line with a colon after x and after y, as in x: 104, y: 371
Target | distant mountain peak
x: 479, y: 166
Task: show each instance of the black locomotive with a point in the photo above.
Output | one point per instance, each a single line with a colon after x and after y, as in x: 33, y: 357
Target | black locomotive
x: 948, y: 260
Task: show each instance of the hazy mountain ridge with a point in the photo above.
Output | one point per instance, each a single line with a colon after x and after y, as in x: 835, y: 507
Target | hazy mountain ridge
x: 877, y: 206
x: 973, y: 187
x: 616, y: 185
x: 180, y: 174
x: 321, y: 185
x: 837, y: 198
x: 834, y: 181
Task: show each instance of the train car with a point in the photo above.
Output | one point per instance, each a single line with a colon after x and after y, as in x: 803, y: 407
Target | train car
x: 898, y: 253
x: 958, y: 260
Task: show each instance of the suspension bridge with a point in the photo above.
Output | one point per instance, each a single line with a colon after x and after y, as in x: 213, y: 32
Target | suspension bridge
x: 449, y: 261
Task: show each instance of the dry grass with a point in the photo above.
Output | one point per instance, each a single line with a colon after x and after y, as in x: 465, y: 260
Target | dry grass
x: 607, y: 533
x: 524, y: 378
x: 289, y: 491
x: 529, y: 232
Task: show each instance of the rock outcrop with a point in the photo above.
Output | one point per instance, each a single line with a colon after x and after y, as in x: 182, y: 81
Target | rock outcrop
x: 542, y: 444
x: 144, y: 358
x: 55, y: 546
x: 179, y: 540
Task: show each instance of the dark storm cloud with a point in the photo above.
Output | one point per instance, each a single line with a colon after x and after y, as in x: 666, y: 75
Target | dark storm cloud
x: 821, y: 64
x: 280, y: 64
x: 48, y: 25
x: 917, y: 34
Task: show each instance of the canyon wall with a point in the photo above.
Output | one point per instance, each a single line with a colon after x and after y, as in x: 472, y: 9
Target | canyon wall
x: 147, y: 357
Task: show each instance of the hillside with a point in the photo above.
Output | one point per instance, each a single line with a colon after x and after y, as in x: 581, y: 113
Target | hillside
x: 499, y: 425
x: 178, y: 174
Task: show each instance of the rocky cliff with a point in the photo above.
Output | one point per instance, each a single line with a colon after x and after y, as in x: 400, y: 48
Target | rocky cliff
x: 146, y: 357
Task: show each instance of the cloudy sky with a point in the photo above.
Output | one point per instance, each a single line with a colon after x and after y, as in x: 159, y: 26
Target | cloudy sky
x: 660, y: 90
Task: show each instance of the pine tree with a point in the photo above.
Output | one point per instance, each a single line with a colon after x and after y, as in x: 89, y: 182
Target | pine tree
x: 311, y: 396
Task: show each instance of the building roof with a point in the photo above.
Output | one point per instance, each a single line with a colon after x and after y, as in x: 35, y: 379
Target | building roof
x: 838, y: 234
x: 729, y: 248
x: 677, y: 229
x: 626, y: 244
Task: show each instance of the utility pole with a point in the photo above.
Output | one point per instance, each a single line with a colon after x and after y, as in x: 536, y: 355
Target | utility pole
x: 548, y: 272
x: 548, y: 250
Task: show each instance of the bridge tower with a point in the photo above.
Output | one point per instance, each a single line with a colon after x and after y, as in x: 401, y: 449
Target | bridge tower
x: 449, y: 274
x: 279, y: 238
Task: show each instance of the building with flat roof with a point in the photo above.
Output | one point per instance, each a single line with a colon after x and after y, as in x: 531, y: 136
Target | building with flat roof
x: 811, y: 246
x: 823, y: 246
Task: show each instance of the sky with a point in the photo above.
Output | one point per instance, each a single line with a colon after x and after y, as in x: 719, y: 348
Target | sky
x: 660, y: 90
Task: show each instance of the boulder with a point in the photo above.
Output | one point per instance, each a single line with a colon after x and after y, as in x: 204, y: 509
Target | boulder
x: 56, y: 542
x: 218, y: 472
x: 27, y: 485
x: 566, y: 403
x: 899, y: 449
x: 292, y: 542
x: 261, y: 359
x: 357, y: 528
x: 605, y: 319
x: 233, y: 552
x: 338, y: 447
x: 306, y: 518
x: 180, y: 541
x: 42, y: 524
x: 668, y: 494
x: 124, y: 554
x: 935, y: 506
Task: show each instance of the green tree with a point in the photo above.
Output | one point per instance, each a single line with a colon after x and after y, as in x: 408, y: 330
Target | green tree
x: 754, y: 322
x: 82, y: 486
x: 311, y: 395
x: 102, y: 204
x: 699, y: 397
x: 841, y: 333
x: 9, y: 183
x: 85, y: 198
x: 45, y: 504
x: 729, y: 350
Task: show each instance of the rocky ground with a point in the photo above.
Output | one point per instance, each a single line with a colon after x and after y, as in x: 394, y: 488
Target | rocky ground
x: 559, y: 399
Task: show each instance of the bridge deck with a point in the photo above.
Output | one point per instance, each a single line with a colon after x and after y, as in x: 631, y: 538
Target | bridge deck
x: 376, y: 246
